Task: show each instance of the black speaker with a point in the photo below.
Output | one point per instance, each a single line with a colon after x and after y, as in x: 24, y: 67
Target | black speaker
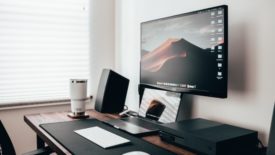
x: 111, y: 93
x: 271, y: 141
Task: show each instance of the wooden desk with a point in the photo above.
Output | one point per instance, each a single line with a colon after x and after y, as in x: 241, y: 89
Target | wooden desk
x: 34, y: 120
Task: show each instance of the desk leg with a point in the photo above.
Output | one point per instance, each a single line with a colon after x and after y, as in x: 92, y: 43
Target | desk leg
x: 39, y: 142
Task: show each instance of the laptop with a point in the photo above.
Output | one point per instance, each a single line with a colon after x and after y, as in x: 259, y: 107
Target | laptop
x: 157, y: 107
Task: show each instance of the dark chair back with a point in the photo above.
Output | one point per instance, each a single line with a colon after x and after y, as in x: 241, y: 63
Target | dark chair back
x: 5, y: 142
x: 271, y: 141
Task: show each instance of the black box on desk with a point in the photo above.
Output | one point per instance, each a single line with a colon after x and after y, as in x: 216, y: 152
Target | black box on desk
x: 211, y: 138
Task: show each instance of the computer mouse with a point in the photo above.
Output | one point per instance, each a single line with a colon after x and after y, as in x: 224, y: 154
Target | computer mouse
x: 136, y: 153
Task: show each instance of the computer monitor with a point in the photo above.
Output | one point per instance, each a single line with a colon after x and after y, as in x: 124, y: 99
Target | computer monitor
x: 186, y: 53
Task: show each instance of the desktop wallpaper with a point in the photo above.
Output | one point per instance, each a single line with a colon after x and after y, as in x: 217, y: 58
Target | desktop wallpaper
x: 185, y: 51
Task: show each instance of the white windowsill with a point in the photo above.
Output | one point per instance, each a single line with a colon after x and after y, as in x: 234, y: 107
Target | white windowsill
x: 38, y: 104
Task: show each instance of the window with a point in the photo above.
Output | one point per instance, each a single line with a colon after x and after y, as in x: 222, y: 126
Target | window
x: 43, y: 44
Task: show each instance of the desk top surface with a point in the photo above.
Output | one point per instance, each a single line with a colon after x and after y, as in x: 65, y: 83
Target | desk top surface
x: 34, y: 120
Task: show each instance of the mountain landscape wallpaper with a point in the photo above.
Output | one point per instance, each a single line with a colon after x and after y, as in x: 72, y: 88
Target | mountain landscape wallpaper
x: 179, y: 52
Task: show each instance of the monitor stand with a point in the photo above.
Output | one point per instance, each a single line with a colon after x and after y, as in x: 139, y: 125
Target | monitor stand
x: 186, y: 106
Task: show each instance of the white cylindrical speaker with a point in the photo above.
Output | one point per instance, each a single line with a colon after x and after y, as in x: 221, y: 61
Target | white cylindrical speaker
x: 78, y: 95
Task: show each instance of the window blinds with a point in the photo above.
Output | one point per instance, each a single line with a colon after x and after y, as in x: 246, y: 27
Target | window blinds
x: 43, y: 44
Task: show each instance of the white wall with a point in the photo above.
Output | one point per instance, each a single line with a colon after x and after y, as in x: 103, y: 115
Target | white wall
x: 127, y: 47
x: 102, y: 39
x: 102, y: 56
x: 251, y: 54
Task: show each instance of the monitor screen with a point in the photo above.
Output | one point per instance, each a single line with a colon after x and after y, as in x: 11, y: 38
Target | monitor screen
x: 186, y: 53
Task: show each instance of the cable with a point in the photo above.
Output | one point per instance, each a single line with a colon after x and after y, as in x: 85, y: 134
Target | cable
x: 261, y: 144
x: 261, y: 148
x: 125, y: 107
